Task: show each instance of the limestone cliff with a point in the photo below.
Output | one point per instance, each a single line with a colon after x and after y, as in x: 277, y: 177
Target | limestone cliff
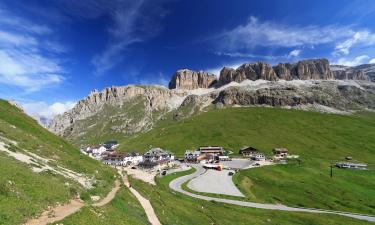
x: 313, y: 69
x: 189, y: 80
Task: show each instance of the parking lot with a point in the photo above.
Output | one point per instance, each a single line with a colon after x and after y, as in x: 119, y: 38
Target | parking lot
x: 217, y: 182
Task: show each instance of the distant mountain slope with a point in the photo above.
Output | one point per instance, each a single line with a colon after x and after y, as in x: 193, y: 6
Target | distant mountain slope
x: 118, y: 112
x: 38, y: 169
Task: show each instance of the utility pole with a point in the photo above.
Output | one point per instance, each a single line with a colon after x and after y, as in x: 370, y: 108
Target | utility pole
x: 331, y: 171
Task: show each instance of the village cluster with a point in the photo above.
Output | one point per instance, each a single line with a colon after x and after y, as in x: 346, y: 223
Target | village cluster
x: 211, y: 157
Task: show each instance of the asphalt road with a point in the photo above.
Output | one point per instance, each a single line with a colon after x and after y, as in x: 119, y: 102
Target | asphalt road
x: 217, y: 182
x: 176, y: 185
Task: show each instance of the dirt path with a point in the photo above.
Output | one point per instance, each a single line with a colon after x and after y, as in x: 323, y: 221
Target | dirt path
x: 144, y: 202
x: 110, y: 195
x: 57, y: 213
x: 60, y: 212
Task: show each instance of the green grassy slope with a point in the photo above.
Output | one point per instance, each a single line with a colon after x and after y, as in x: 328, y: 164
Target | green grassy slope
x: 177, y: 209
x: 124, y: 209
x: 24, y: 193
x: 112, y: 122
x: 319, y: 139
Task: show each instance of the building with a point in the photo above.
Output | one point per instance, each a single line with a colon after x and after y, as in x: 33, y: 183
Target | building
x: 156, y: 157
x: 122, y: 159
x: 280, y: 153
x: 110, y: 145
x: 258, y: 157
x: 347, y: 165
x: 98, y: 150
x: 248, y: 151
x: 224, y: 158
x: 134, y: 158
x: 192, y: 156
x: 115, y: 159
x: 156, y: 154
x: 215, y: 150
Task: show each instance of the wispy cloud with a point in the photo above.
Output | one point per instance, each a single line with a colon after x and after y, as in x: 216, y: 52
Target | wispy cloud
x: 361, y: 38
x: 156, y: 79
x: 264, y: 33
x: 45, y: 112
x: 133, y: 21
x: 353, y: 61
x: 26, y: 60
x: 294, y: 53
x: 242, y: 40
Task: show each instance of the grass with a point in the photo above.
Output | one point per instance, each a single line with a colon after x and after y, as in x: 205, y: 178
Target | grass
x: 124, y: 209
x: 177, y: 209
x: 25, y: 194
x: 319, y: 140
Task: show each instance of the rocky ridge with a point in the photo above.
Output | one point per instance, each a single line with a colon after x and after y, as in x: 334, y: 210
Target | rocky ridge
x: 130, y: 109
x: 189, y: 79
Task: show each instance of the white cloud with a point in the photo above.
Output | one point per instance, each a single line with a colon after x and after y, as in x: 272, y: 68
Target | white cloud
x: 133, y: 21
x: 294, y: 53
x: 159, y: 79
x: 216, y: 70
x: 44, y: 112
x: 256, y: 33
x: 365, y: 38
x: 263, y: 33
x: 27, y: 55
x: 352, y: 62
x: 372, y: 60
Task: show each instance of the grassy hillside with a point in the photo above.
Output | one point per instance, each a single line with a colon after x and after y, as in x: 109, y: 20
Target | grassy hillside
x: 24, y: 193
x: 113, y: 122
x: 177, y: 209
x: 124, y: 209
x: 319, y: 140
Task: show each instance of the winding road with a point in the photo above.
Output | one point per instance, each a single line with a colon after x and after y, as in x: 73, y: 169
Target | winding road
x: 176, y: 185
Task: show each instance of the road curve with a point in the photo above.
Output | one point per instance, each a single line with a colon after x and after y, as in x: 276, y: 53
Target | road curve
x: 176, y: 185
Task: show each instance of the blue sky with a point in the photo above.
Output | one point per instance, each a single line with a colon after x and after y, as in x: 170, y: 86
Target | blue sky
x: 54, y: 52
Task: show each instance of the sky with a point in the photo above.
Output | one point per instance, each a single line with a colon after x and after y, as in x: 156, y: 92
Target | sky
x: 54, y: 52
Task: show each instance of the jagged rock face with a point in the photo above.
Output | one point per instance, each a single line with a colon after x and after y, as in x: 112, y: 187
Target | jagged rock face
x: 283, y: 71
x: 189, y: 80
x: 250, y: 71
x: 153, y: 99
x: 368, y: 70
x: 314, y: 69
x: 362, y: 72
x: 326, y: 93
x: 350, y: 75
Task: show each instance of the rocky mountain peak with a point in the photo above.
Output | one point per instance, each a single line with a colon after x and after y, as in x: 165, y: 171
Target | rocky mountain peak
x: 312, y: 69
x: 189, y: 80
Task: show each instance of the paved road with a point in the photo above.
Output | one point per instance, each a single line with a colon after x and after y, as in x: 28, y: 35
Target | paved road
x: 177, y: 183
x: 217, y: 182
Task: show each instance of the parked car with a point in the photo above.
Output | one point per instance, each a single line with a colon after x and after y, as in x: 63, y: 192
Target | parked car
x: 230, y: 173
x: 133, y: 167
x: 164, y: 172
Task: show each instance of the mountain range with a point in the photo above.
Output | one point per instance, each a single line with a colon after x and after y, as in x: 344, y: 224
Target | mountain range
x: 311, y: 84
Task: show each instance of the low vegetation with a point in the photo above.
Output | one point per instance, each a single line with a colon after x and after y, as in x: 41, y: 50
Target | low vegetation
x: 320, y: 140
x: 124, y: 209
x: 177, y: 209
x: 24, y: 193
